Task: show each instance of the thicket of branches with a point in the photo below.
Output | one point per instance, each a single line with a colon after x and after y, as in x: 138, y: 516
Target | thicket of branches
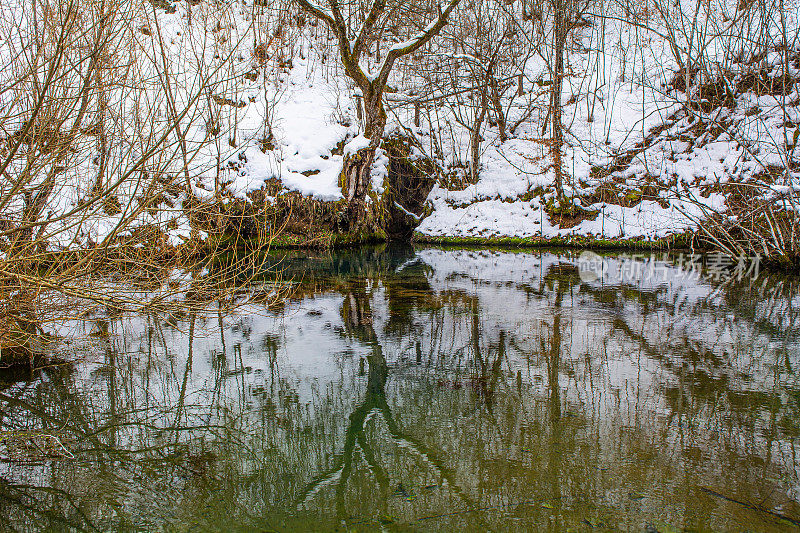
x: 108, y: 125
x: 120, y: 118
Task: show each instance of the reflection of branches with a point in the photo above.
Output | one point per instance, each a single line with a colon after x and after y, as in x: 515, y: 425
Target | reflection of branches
x: 375, y: 402
x: 17, y: 494
x: 488, y: 377
x: 10, y: 400
x: 358, y: 322
x: 186, y: 372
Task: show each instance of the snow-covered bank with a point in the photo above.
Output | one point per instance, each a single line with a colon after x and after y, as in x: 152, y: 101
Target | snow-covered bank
x: 498, y: 218
x: 639, y: 161
x: 232, y: 100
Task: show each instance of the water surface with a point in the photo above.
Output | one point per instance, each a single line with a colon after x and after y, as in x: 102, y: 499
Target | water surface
x: 425, y: 389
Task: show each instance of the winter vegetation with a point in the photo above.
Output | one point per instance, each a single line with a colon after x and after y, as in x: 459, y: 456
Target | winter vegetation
x: 144, y: 136
x: 163, y: 367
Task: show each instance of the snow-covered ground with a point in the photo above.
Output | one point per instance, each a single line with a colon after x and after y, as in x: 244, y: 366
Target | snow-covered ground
x: 266, y: 99
x: 629, y: 98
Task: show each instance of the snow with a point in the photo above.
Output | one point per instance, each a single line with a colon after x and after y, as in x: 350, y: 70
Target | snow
x: 291, y: 119
x: 357, y: 143
x: 407, y: 212
x: 493, y: 218
x: 484, y: 218
x: 307, y: 132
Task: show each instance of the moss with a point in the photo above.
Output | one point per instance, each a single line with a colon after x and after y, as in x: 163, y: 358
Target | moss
x: 633, y: 197
x: 566, y: 214
x: 353, y: 239
x: 598, y: 173
x: 343, y: 240
x: 163, y: 4
x: 679, y: 241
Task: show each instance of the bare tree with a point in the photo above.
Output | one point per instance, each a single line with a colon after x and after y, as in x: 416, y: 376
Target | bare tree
x: 352, y: 44
x: 486, y: 44
x: 567, y: 15
x: 103, y: 139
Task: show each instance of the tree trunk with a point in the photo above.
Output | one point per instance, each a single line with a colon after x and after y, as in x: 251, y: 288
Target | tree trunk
x: 354, y: 182
x: 356, y: 168
x: 475, y: 140
x: 499, y: 114
x: 559, y: 34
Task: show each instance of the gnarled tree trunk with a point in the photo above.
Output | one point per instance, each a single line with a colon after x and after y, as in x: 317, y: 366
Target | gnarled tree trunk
x: 354, y: 181
x: 560, y: 36
x: 355, y: 177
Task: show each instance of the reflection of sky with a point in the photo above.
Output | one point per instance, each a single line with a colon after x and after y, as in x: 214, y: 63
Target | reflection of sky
x: 625, y: 351
x: 312, y: 351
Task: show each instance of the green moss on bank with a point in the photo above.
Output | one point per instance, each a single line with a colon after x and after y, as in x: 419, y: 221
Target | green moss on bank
x: 678, y: 241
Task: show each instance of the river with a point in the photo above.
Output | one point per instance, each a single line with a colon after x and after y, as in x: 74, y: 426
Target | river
x: 423, y: 389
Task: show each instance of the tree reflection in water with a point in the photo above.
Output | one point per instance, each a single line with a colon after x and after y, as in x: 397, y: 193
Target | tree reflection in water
x: 421, y: 390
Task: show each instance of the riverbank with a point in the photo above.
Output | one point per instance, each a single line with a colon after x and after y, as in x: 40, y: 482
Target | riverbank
x: 672, y: 242
x: 653, y: 157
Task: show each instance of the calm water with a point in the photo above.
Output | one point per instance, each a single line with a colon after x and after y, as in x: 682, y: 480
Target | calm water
x: 423, y: 389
